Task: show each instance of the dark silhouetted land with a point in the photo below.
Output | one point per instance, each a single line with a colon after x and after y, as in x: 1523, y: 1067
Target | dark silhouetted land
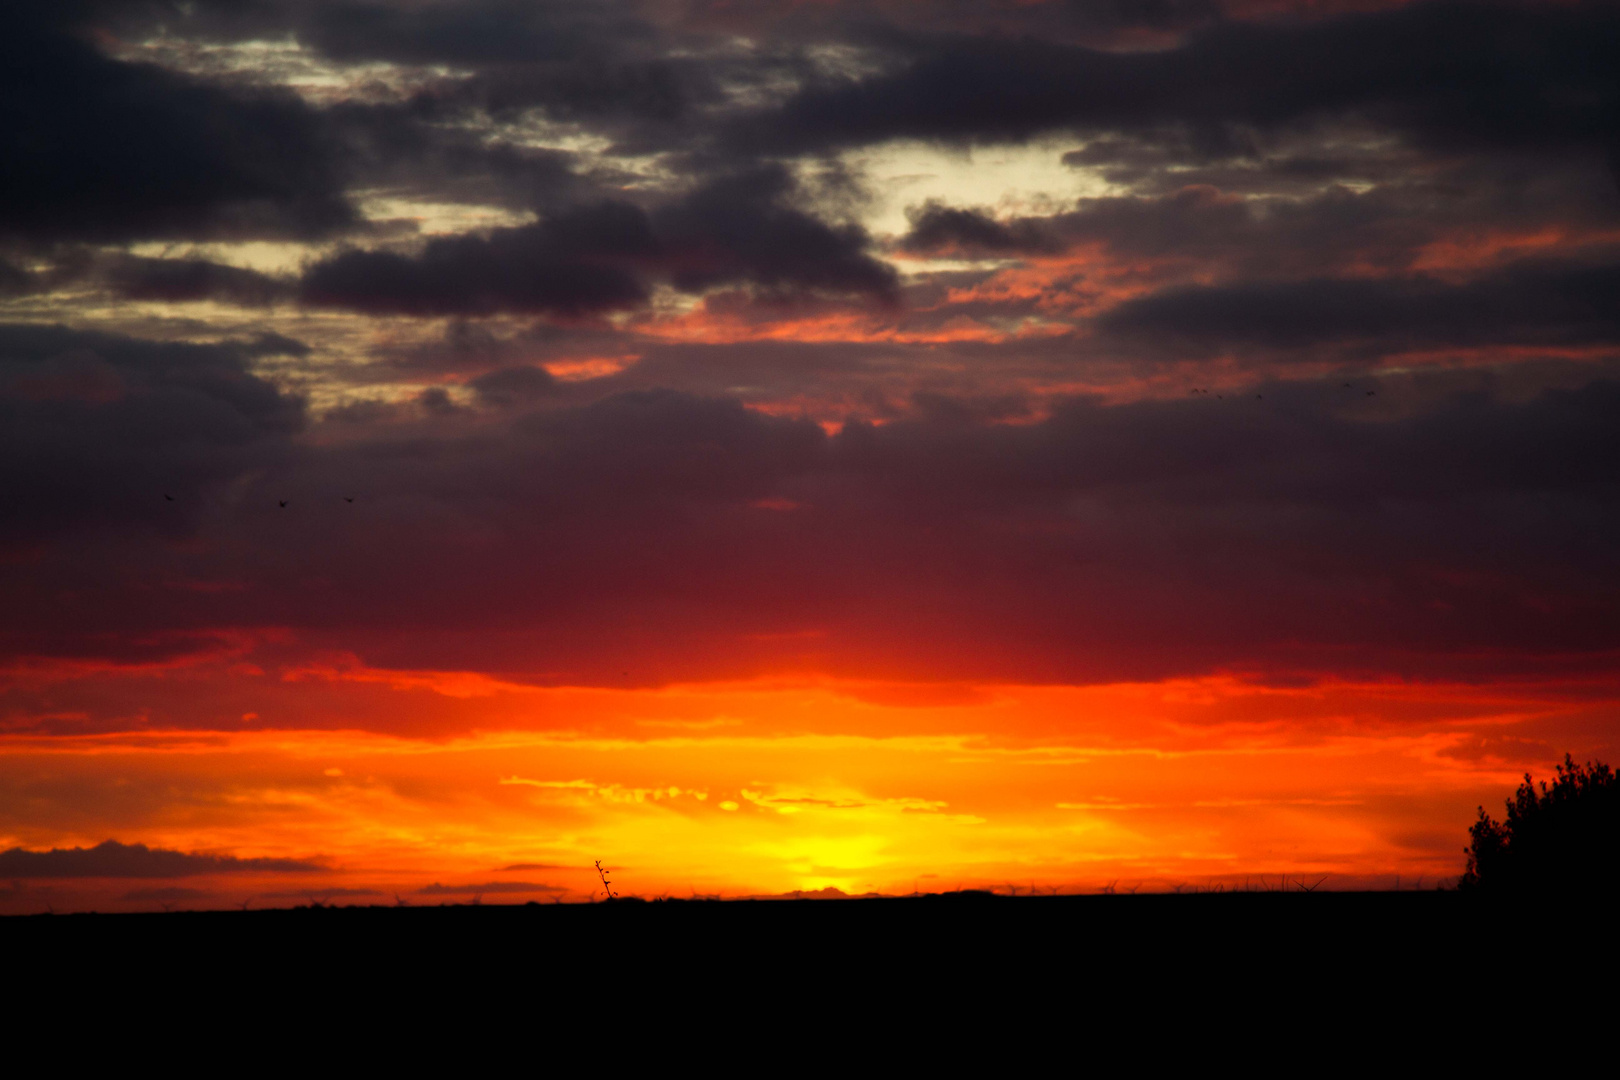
x: 960, y: 981
x: 1322, y: 932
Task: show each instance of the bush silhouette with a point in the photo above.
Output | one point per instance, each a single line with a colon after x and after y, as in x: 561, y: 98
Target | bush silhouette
x: 1564, y: 837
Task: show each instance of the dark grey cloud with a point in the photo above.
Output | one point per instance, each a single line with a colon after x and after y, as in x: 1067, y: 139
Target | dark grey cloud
x: 1192, y: 222
x: 14, y: 279
x: 514, y: 385
x: 1443, y: 520
x: 572, y: 265
x: 471, y: 32
x: 936, y: 228
x: 98, y: 149
x: 97, y: 429
x: 137, y: 278
x: 1497, y: 78
x: 1233, y: 229
x: 1340, y: 274
x: 1528, y: 303
x: 1448, y: 76
x: 110, y: 859
x: 735, y: 229
x: 439, y: 150
x: 739, y: 228
x: 598, y: 89
x: 602, y: 62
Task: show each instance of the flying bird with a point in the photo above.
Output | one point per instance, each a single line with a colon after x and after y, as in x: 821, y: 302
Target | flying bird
x: 167, y: 497
x: 1372, y: 393
x: 283, y: 503
x: 348, y: 498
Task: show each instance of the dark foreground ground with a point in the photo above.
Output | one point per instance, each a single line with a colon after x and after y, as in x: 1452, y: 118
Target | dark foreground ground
x: 1421, y: 929
x: 1106, y: 936
x: 946, y: 968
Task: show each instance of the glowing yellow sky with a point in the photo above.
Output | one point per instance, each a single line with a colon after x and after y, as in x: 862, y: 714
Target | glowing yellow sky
x: 766, y: 788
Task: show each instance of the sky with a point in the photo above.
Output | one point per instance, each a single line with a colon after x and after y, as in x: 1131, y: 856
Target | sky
x: 796, y: 445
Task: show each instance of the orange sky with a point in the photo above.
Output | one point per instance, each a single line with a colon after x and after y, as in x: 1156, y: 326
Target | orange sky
x: 781, y: 785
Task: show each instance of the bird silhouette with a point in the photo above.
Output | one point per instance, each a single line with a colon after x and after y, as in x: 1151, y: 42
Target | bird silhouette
x: 1372, y: 393
x: 348, y: 498
x: 1347, y: 386
x: 283, y: 503
x: 167, y: 497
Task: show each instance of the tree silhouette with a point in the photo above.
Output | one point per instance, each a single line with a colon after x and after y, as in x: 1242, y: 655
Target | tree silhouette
x: 1564, y: 837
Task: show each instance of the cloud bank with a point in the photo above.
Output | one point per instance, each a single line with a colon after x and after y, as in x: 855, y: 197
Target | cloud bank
x: 110, y: 859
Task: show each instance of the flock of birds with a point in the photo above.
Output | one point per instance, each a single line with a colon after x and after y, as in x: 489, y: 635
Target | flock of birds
x: 279, y: 502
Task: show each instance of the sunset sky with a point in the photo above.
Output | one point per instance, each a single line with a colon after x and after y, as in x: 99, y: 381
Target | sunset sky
x: 787, y: 445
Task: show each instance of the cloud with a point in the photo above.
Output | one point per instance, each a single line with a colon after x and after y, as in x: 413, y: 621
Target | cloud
x: 105, y: 429
x: 490, y: 887
x: 14, y: 280
x: 570, y: 265
x: 477, y: 33
x: 110, y: 859
x: 1524, y: 304
x: 1279, y: 208
x: 137, y: 278
x: 935, y: 228
x: 1448, y: 76
x: 737, y: 228
x: 104, y: 150
x: 514, y: 385
x: 1420, y: 530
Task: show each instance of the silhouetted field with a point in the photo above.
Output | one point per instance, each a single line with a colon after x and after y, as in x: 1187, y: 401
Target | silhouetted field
x: 675, y: 981
x: 1319, y: 929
